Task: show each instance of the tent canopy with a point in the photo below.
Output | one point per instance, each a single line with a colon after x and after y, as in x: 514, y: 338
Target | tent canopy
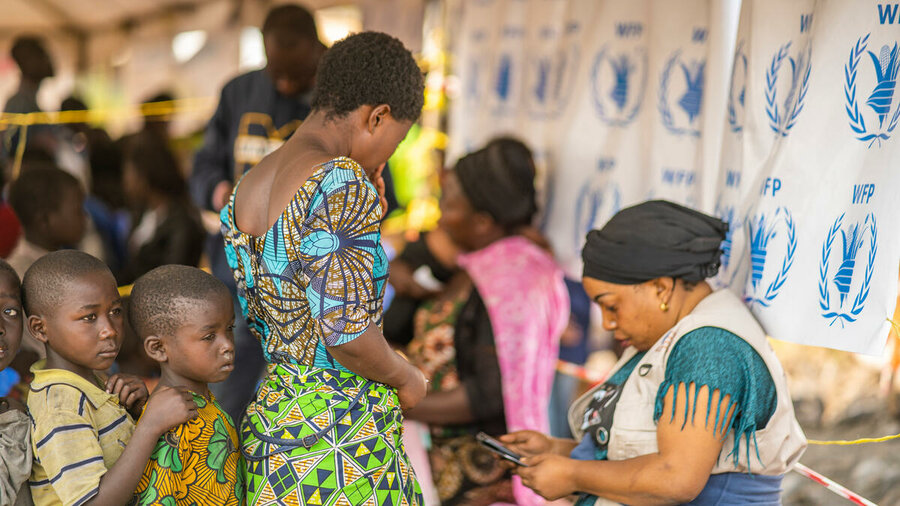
x: 85, y: 16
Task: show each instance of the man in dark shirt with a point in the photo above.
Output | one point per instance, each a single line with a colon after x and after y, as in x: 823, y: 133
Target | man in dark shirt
x: 257, y: 112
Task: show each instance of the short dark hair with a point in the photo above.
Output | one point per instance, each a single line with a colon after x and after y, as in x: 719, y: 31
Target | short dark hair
x: 163, y: 96
x: 151, y: 112
x: 45, y: 282
x: 161, y: 297
x: 72, y: 103
x: 154, y: 161
x: 5, y: 267
x: 290, y: 24
x: 38, y: 191
x: 26, y: 47
x: 369, y: 68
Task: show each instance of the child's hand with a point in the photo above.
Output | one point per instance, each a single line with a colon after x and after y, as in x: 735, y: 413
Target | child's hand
x: 131, y: 390
x: 169, y: 407
x: 413, y: 390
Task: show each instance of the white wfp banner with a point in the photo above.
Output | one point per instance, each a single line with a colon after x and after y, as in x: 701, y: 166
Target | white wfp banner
x: 611, y: 96
x: 624, y: 100
x: 811, y: 170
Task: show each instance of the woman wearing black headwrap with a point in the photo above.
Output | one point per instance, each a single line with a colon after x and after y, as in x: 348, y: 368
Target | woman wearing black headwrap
x: 489, y: 340
x: 698, y: 400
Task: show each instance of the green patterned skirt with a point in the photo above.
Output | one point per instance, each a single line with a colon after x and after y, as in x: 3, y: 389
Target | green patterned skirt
x: 360, y: 461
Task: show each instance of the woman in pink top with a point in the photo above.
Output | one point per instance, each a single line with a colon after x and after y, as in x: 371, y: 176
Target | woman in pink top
x: 489, y: 340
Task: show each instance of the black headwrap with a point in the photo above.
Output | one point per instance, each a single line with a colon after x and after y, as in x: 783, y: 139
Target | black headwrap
x: 499, y: 180
x: 653, y: 240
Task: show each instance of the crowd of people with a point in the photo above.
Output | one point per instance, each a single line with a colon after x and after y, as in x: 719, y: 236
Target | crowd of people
x: 279, y: 375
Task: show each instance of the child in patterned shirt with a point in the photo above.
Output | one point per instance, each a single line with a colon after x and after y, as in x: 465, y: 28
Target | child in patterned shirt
x: 85, y: 445
x: 185, y: 318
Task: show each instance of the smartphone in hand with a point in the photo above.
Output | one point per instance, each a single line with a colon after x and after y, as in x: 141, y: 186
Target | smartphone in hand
x: 498, y: 448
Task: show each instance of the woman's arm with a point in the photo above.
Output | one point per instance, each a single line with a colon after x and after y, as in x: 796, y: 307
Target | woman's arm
x: 479, y: 396
x: 450, y: 407
x: 675, y: 474
x: 370, y: 356
x: 342, y: 283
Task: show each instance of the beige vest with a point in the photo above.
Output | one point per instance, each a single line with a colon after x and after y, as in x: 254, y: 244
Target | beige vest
x: 633, y: 431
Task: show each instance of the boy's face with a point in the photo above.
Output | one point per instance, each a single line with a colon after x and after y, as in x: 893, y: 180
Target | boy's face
x: 10, y: 318
x: 201, y: 351
x: 84, y: 332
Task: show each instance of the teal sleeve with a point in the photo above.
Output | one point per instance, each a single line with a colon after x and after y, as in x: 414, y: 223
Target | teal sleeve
x: 722, y: 361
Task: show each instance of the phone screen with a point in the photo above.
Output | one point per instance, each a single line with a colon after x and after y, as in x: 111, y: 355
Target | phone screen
x: 498, y: 448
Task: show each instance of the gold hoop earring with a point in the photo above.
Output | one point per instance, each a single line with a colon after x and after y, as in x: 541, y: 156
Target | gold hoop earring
x: 663, y: 307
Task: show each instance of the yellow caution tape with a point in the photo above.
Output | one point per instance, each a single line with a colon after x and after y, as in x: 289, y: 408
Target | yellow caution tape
x: 156, y: 109
x: 855, y: 441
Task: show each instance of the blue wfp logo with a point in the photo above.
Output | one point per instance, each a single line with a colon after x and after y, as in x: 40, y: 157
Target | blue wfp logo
x: 689, y: 91
x: 883, y: 75
x: 727, y: 213
x: 783, y: 113
x: 474, y: 70
x: 842, y: 279
x: 731, y: 247
x: 763, y: 230
x: 738, y: 89
x: 619, y: 77
x: 552, y: 71
x: 597, y: 201
x: 783, y: 110
x: 507, y: 74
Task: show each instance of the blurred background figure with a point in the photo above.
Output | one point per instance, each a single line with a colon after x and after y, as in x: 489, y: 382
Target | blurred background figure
x: 50, y: 205
x: 237, y: 137
x: 167, y: 227
x: 490, y: 363
x: 155, y: 122
x: 34, y: 65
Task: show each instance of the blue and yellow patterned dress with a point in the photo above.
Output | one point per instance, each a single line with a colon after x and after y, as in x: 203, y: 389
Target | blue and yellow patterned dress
x: 316, y: 279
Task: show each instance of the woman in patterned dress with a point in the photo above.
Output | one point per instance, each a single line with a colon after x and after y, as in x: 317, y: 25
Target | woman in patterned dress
x: 302, y: 237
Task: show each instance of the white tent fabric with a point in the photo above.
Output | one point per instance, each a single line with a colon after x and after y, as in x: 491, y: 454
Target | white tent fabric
x: 790, y: 137
x: 92, y: 16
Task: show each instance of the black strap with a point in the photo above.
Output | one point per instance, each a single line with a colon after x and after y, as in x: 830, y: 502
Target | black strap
x: 307, y: 442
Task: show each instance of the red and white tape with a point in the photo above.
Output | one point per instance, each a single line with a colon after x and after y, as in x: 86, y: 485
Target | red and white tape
x: 833, y: 486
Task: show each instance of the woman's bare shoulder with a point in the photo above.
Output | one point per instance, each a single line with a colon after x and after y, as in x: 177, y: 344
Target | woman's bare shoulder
x: 269, y: 187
